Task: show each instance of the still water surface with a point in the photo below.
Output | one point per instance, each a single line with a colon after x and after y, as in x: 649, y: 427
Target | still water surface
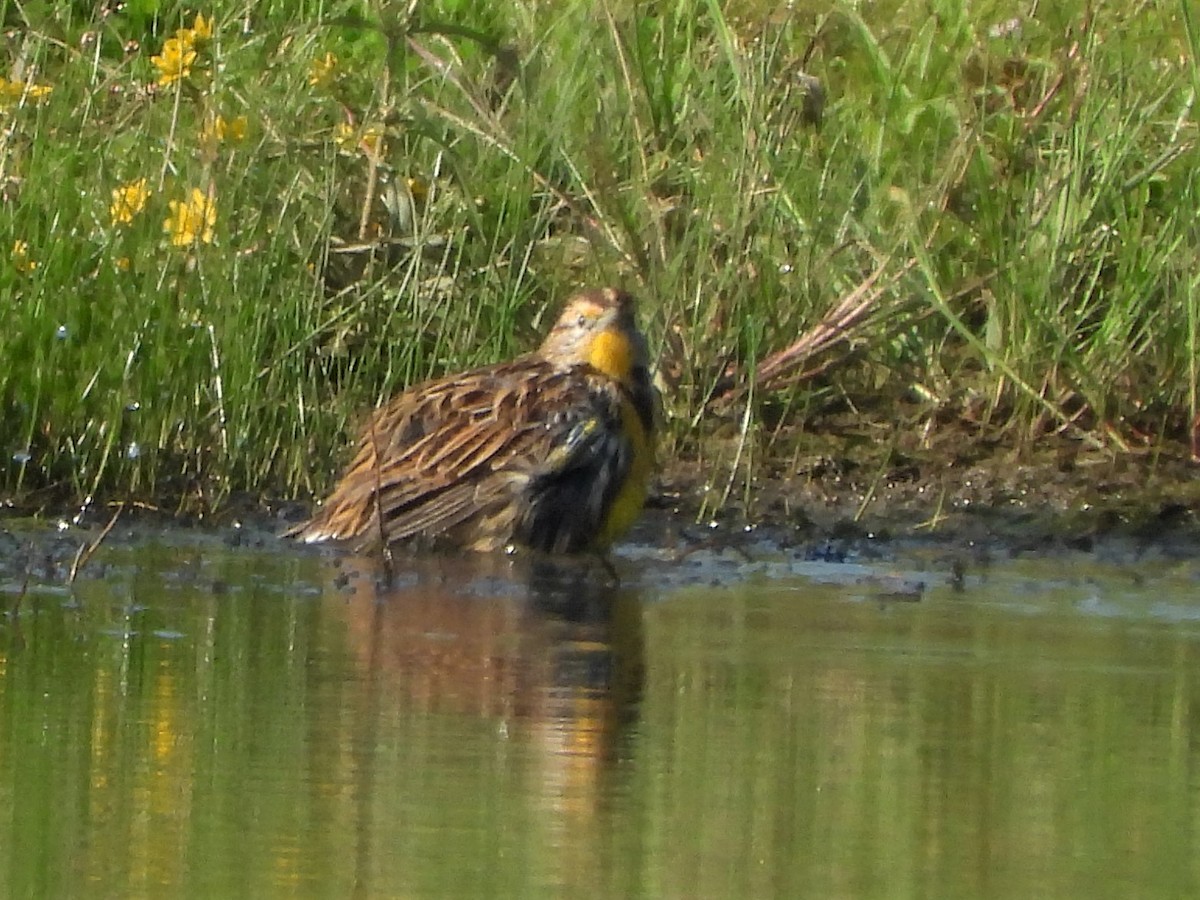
x: 195, y: 720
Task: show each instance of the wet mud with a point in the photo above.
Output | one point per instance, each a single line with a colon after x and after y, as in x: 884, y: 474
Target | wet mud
x: 1062, y: 493
x: 822, y: 515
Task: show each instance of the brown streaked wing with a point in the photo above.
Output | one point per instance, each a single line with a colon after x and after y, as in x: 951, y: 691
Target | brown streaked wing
x: 444, y: 452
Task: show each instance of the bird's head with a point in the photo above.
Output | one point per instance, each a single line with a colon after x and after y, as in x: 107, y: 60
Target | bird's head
x: 597, y: 327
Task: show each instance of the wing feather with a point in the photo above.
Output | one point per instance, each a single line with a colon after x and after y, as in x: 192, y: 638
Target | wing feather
x: 443, y: 453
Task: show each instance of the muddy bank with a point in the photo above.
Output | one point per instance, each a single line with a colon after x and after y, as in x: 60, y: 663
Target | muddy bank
x: 847, y: 500
x: 828, y: 506
x: 869, y: 478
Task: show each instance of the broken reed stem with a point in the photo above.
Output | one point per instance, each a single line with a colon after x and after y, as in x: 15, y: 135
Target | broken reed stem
x: 853, y: 310
x: 87, y: 551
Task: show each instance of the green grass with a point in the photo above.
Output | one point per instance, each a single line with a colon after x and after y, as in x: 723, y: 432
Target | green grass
x: 1030, y: 193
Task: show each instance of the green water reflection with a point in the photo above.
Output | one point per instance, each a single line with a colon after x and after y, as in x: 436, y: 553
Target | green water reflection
x: 208, y: 722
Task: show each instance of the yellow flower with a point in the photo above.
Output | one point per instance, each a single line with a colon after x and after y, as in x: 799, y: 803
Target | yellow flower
x: 201, y: 30
x: 122, y: 263
x: 221, y: 129
x: 369, y: 139
x: 192, y: 220
x: 345, y: 136
x: 20, y: 257
x: 127, y: 201
x: 13, y: 92
x: 199, y: 34
x: 175, y: 62
x: 321, y: 71
x: 419, y: 188
x: 372, y: 139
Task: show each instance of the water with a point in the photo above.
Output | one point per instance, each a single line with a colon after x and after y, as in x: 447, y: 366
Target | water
x: 196, y: 720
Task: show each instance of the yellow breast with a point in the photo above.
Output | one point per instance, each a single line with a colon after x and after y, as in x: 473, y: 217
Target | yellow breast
x: 614, y: 354
x: 627, y: 505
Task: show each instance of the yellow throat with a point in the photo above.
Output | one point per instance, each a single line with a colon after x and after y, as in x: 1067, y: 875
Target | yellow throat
x: 612, y: 353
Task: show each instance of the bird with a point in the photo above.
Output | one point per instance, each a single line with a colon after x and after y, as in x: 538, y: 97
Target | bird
x: 552, y: 451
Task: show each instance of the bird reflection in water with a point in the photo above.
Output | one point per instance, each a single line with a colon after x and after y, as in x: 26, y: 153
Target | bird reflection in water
x: 550, y: 649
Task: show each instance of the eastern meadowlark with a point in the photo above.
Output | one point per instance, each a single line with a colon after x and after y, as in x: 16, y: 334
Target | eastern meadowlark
x: 552, y: 450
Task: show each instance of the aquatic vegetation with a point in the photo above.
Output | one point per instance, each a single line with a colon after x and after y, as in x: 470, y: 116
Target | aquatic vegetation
x: 934, y: 220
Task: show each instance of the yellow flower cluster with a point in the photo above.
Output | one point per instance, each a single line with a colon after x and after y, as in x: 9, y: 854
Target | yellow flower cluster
x: 20, y: 257
x: 321, y: 71
x: 127, y: 201
x: 219, y: 130
x: 174, y: 63
x: 369, y: 138
x: 13, y: 92
x: 179, y: 52
x: 192, y: 220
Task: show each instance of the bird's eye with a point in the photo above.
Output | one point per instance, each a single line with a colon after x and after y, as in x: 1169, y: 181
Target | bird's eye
x: 581, y: 322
